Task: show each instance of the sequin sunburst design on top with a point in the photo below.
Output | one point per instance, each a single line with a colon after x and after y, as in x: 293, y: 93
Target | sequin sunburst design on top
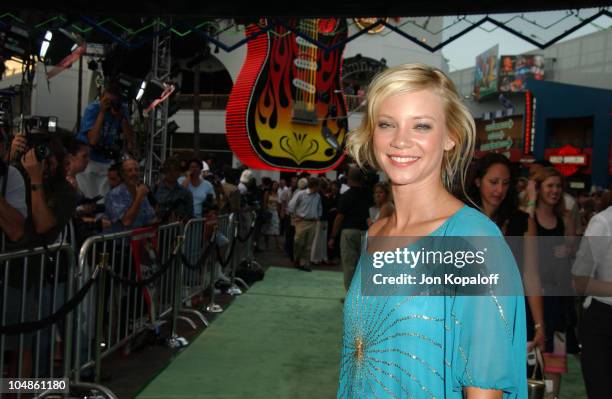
x: 358, y: 350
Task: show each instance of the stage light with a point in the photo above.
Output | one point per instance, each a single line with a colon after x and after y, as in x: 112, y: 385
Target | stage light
x: 127, y: 86
x: 141, y: 90
x: 152, y: 92
x: 172, y: 127
x: 60, y: 44
x: 44, y: 47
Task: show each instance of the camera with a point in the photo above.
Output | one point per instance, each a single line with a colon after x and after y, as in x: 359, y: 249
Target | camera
x: 90, y: 206
x: 113, y: 153
x: 37, y: 130
x: 116, y: 104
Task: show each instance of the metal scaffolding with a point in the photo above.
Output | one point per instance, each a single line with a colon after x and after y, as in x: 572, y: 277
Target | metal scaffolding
x: 157, y: 125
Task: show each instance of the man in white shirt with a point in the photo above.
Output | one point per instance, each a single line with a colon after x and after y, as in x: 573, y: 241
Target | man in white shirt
x: 307, y: 210
x: 593, y: 276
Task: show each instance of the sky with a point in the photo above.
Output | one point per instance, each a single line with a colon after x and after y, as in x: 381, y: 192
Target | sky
x: 462, y: 52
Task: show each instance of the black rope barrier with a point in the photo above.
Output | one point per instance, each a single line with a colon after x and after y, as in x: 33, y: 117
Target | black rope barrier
x: 142, y: 283
x: 226, y: 262
x: 70, y: 305
x: 251, y: 229
x: 198, y: 264
x: 32, y: 326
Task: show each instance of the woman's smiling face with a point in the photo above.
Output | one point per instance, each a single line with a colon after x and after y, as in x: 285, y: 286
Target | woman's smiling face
x: 410, y: 137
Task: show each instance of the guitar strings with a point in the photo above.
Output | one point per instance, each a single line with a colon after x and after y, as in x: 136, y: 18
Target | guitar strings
x: 313, y: 59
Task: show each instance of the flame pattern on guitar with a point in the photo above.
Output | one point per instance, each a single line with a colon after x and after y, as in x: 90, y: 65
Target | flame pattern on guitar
x: 288, y: 100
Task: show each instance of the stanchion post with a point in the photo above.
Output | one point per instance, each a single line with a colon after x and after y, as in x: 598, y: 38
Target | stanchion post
x: 178, y: 278
x: 212, y: 306
x: 100, y: 315
x: 69, y: 317
x: 236, y: 226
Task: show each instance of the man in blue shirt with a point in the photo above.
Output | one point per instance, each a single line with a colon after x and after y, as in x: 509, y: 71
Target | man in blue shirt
x: 202, y: 190
x: 127, y: 206
x: 104, y: 122
x: 174, y: 202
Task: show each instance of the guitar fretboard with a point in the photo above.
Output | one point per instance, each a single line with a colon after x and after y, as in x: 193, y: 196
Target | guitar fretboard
x: 306, y: 64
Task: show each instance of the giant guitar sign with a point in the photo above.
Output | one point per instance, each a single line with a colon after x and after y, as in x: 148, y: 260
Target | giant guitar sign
x: 286, y: 110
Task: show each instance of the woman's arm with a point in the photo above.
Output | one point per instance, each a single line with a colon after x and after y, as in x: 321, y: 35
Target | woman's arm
x: 533, y: 285
x: 479, y: 393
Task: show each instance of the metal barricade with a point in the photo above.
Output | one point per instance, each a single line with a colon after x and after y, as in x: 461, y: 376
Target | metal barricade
x: 111, y: 308
x: 198, y: 248
x: 167, y: 240
x: 119, y: 308
x: 244, y: 246
x: 224, y: 242
x: 37, y: 337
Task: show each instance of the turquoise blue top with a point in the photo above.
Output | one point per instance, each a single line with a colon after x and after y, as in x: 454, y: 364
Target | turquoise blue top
x: 433, y: 346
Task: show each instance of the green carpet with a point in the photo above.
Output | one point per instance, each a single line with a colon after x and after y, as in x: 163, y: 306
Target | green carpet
x: 281, y: 339
x: 572, y: 384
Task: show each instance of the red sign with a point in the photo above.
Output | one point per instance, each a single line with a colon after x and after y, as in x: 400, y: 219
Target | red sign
x: 567, y: 159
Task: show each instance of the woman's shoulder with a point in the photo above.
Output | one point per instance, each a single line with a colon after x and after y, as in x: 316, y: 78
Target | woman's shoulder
x: 376, y: 227
x: 471, y: 222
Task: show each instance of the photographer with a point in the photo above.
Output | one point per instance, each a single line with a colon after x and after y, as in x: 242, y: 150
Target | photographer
x: 104, y: 122
x: 174, y: 202
x: 50, y: 198
x: 13, y: 208
x: 127, y: 206
x: 86, y: 218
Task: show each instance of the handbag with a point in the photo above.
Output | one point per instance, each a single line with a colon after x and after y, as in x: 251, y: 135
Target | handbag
x: 536, y: 388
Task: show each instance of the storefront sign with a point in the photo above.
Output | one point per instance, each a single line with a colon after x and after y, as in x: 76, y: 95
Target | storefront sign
x: 501, y: 136
x: 494, y: 145
x: 567, y: 159
x: 529, y: 127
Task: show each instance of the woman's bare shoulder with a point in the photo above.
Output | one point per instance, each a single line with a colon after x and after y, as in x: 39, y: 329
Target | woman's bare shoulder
x: 377, y: 228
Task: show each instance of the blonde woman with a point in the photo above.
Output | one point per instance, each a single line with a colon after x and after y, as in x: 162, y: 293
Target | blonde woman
x: 553, y: 220
x: 418, y: 132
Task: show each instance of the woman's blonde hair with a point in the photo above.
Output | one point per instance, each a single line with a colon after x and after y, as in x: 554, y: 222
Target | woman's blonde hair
x: 410, y: 78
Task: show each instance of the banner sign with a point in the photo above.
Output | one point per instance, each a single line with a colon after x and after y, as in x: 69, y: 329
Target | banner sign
x: 485, y: 74
x: 514, y: 70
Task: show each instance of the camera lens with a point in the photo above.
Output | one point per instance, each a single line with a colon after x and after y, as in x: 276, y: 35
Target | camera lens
x: 42, y: 152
